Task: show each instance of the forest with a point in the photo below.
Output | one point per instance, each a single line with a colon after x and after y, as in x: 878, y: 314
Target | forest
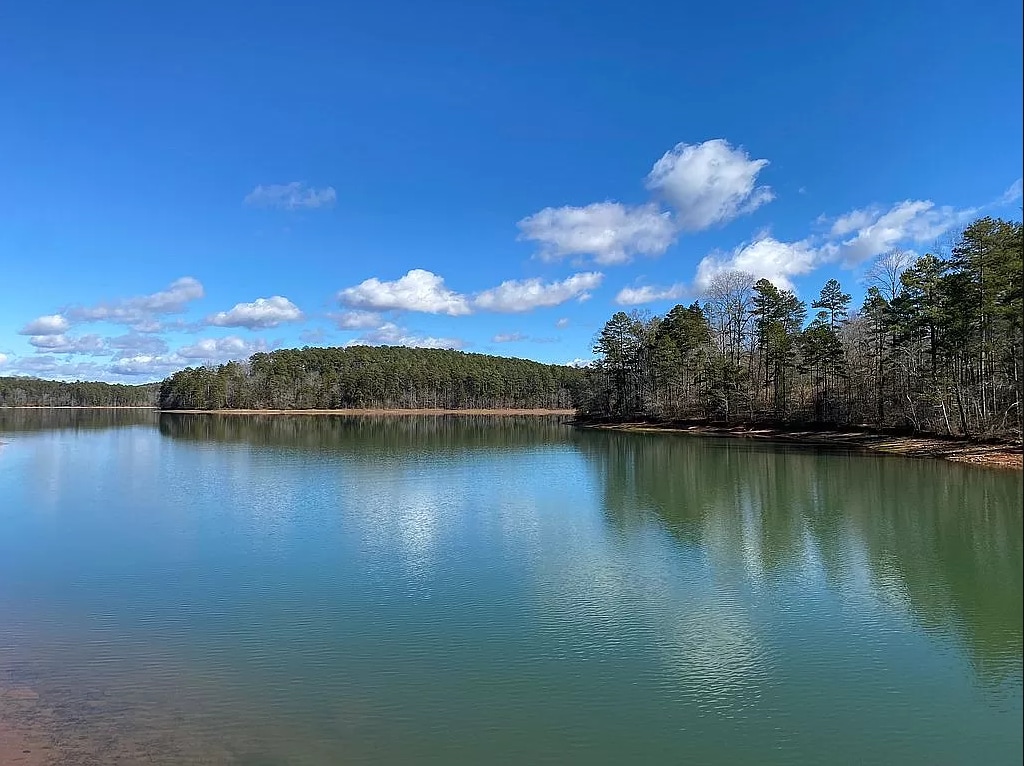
x: 33, y: 392
x: 383, y: 377
x: 935, y: 348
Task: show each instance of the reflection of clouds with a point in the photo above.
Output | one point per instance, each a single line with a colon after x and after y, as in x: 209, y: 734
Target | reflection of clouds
x: 713, y: 652
x: 403, y: 514
x: 68, y: 468
x: 418, y: 522
x: 260, y: 492
x: 432, y: 512
x: 637, y: 585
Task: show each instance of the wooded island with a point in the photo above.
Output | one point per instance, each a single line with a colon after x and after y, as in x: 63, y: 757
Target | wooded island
x: 373, y: 377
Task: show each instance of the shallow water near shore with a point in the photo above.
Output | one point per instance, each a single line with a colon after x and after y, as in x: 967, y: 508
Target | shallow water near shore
x: 320, y: 590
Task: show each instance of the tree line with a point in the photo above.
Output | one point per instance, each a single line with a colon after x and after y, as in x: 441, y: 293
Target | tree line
x: 935, y: 347
x: 367, y: 377
x: 33, y: 392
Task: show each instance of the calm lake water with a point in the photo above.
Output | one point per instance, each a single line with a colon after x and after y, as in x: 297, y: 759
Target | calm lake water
x: 322, y: 590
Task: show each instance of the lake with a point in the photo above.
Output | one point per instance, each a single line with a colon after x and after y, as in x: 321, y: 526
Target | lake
x: 466, y: 590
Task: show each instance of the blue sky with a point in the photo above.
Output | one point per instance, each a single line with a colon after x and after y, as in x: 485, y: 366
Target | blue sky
x: 188, y: 183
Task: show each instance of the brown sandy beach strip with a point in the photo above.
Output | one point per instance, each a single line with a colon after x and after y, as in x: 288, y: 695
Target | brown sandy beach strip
x: 959, y: 451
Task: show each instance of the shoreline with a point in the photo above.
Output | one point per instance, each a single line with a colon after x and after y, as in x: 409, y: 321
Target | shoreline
x: 372, y: 411
x: 990, y: 455
x: 77, y: 407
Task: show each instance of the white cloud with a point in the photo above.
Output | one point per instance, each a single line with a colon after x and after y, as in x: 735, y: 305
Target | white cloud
x: 221, y: 349
x: 418, y: 290
x: 877, y: 231
x: 634, y: 296
x: 150, y: 326
x: 291, y: 196
x: 4, y: 359
x: 509, y: 337
x: 357, y: 320
x: 766, y: 258
x: 850, y: 239
x: 852, y: 221
x: 579, y: 363
x: 709, y: 183
x: 1013, y: 193
x: 141, y: 311
x: 146, y: 365
x: 562, y: 323
x: 515, y: 296
x: 609, y: 231
x: 134, y: 343
x: 54, y: 368
x: 390, y: 334
x: 424, y: 291
x: 63, y: 344
x: 262, y: 313
x: 51, y: 324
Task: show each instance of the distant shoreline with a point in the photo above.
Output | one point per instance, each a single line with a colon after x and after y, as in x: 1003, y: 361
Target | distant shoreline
x: 78, y: 407
x: 994, y: 455
x: 371, y: 411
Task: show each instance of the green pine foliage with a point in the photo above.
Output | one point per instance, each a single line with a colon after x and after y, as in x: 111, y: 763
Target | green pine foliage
x: 936, y: 347
x: 372, y: 377
x: 32, y: 392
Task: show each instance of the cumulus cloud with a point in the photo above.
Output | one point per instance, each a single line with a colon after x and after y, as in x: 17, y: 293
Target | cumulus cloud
x: 709, y: 183
x: 426, y: 292
x: 609, y: 231
x: 766, y: 258
x: 509, y: 337
x: 390, y: 334
x: 291, y: 196
x: 357, y: 320
x: 514, y: 296
x: 261, y: 314
x: 849, y: 239
x: 137, y: 343
x: 64, y: 344
x: 418, y: 290
x: 146, y: 365
x: 141, y: 312
x: 56, y: 369
x: 4, y: 359
x: 634, y: 296
x: 875, y: 231
x: 852, y: 221
x: 51, y: 324
x: 222, y: 349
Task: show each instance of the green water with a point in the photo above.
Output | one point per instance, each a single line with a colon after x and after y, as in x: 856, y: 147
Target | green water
x: 320, y: 590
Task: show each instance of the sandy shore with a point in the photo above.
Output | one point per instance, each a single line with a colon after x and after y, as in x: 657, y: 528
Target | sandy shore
x: 372, y: 412
x: 959, y: 451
